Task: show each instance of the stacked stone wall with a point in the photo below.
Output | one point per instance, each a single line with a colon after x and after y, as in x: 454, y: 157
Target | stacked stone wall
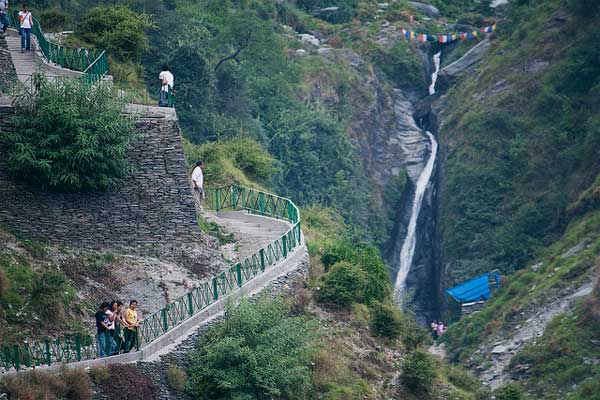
x: 154, y: 205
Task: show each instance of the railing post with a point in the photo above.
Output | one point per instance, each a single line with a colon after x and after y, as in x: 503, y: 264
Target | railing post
x: 163, y: 316
x: 190, y: 303
x: 215, y: 288
x: 217, y: 200
x: 78, y: 347
x: 238, y: 268
x: 284, y: 245
x: 47, y: 352
x: 234, y: 196
x: 261, y: 253
x: 17, y: 357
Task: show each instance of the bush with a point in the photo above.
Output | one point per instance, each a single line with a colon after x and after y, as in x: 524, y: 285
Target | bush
x: 463, y: 379
x: 259, y: 351
x: 118, y: 30
x: 386, y: 320
x: 344, y: 284
x: 50, y: 295
x: 510, y: 391
x: 99, y: 374
x: 4, y: 283
x: 176, y: 378
x: 418, y: 372
x: 369, y: 259
x: 69, y: 136
x: 53, y: 19
x: 67, y: 384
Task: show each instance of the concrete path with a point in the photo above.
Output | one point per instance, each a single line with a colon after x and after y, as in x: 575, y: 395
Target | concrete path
x: 251, y: 231
x: 32, y: 61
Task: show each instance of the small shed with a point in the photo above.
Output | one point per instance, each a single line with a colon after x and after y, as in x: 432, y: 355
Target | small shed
x: 472, y: 293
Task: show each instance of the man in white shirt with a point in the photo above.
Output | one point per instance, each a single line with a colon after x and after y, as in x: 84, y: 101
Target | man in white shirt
x: 25, y: 25
x: 167, y: 81
x: 198, y: 183
x: 3, y: 15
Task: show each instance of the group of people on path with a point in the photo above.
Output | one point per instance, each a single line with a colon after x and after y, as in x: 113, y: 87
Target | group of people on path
x: 25, y: 20
x: 437, y: 329
x: 117, y: 328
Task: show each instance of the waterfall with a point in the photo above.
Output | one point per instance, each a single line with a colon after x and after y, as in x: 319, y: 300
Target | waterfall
x: 408, y: 247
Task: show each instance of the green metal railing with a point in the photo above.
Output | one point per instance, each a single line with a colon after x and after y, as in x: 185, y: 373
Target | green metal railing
x: 233, y: 197
x: 93, y: 63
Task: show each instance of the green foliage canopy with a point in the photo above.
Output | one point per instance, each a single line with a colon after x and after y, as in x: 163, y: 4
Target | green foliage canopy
x: 258, y: 352
x: 69, y: 136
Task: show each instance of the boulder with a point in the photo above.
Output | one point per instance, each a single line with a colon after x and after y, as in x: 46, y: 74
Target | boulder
x: 426, y: 9
x: 300, y: 52
x: 466, y: 62
x: 309, y: 39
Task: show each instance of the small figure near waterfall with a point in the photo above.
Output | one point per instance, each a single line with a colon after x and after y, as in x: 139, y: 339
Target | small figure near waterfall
x: 434, y: 332
x: 198, y: 183
x: 166, y: 90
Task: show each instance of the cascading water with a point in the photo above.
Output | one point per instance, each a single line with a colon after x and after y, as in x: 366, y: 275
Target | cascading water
x: 408, y: 247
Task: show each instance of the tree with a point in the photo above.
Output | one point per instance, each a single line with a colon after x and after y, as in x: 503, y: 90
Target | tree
x: 70, y: 136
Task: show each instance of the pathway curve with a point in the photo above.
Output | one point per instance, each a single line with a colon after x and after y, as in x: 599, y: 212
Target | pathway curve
x: 251, y: 232
x: 30, y: 62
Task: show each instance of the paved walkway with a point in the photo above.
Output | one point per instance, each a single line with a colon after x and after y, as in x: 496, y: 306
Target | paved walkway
x: 252, y: 232
x: 31, y: 62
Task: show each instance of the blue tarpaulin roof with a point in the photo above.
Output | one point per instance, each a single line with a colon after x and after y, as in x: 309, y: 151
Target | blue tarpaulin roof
x: 474, y: 289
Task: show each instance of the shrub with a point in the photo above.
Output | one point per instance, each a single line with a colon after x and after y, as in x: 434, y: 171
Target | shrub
x: 118, y: 30
x: 510, y: 391
x: 259, y: 351
x: 4, y: 283
x: 418, y: 371
x: 67, y: 384
x: 176, y: 378
x: 99, y: 374
x: 50, y: 294
x: 343, y: 285
x: 369, y: 259
x: 53, y: 19
x: 69, y: 136
x: 386, y: 320
x: 462, y: 378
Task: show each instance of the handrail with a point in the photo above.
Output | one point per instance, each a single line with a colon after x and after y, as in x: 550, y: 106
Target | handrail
x: 79, y: 59
x: 232, y: 197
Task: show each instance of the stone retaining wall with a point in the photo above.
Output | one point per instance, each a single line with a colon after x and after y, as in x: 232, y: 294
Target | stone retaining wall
x: 154, y: 206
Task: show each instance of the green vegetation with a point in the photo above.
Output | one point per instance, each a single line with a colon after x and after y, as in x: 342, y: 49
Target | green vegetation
x: 343, y: 285
x: 510, y: 391
x: 69, y: 136
x: 386, y: 320
x: 418, y: 372
x: 67, y: 384
x: 563, y: 357
x: 259, y: 351
x: 521, y: 155
x: 176, y: 378
x: 32, y: 301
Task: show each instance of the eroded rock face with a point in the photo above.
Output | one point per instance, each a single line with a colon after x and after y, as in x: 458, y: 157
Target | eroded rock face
x: 426, y: 9
x: 464, y: 64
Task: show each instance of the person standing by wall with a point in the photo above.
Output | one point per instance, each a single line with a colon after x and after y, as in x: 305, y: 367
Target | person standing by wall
x: 4, y: 15
x: 133, y: 323
x: 166, y: 90
x: 198, y: 183
x: 25, y: 25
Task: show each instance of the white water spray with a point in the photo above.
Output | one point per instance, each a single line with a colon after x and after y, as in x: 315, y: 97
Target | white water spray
x: 408, y: 247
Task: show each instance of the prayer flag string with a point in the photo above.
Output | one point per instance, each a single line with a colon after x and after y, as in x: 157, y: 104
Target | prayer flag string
x: 447, y: 38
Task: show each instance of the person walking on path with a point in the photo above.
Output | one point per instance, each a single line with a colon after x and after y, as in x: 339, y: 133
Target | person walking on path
x: 116, y: 324
x: 103, y: 337
x: 434, y: 332
x: 4, y: 15
x: 133, y: 323
x: 198, y: 182
x: 167, y: 81
x: 25, y: 25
